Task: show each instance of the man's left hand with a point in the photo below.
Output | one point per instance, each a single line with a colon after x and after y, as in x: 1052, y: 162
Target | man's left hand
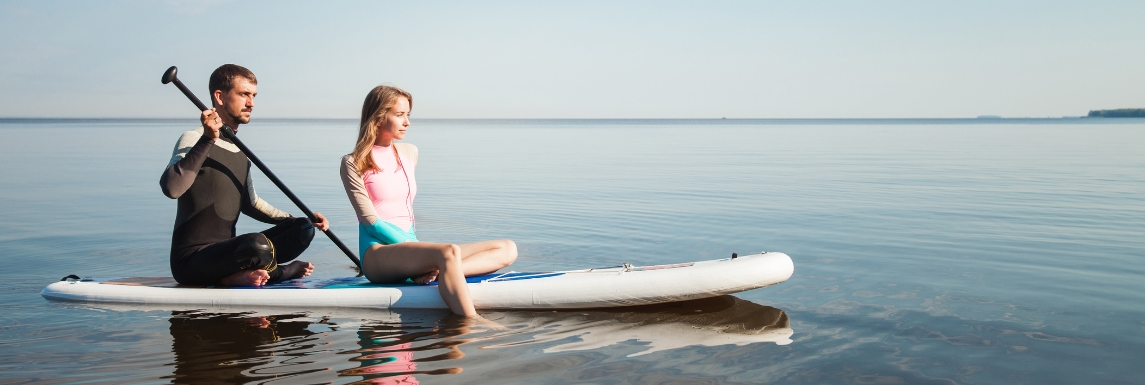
x: 322, y: 223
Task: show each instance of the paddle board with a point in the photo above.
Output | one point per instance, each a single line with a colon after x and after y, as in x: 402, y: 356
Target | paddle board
x: 624, y: 285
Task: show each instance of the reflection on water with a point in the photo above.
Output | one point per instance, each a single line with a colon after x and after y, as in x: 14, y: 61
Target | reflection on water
x: 229, y: 347
x: 387, y: 349
x: 397, y: 347
x: 724, y: 320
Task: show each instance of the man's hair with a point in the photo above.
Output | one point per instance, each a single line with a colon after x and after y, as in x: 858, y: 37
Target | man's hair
x: 224, y: 77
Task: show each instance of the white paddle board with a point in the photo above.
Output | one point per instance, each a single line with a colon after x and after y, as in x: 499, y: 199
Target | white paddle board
x: 589, y: 288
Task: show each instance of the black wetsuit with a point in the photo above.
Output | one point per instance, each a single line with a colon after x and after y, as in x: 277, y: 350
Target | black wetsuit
x: 212, y: 182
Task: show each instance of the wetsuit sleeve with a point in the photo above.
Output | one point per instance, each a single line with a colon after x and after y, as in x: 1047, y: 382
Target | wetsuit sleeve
x: 356, y: 191
x: 190, y: 152
x: 257, y: 208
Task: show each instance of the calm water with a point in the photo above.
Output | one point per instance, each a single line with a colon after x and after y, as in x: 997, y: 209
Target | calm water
x: 944, y: 251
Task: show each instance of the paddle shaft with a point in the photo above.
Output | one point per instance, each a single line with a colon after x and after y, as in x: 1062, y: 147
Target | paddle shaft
x: 230, y: 134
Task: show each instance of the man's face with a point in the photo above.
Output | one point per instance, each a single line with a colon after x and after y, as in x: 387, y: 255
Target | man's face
x: 238, y: 102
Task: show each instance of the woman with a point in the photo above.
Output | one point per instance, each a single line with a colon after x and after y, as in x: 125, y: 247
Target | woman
x: 379, y: 179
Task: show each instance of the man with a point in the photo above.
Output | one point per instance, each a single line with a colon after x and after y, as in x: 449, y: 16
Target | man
x: 211, y: 179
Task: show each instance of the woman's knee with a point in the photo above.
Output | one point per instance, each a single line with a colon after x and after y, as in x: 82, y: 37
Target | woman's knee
x: 510, y: 248
x: 449, y: 253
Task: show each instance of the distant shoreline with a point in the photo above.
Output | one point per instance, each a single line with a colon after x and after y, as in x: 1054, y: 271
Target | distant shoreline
x: 1118, y: 113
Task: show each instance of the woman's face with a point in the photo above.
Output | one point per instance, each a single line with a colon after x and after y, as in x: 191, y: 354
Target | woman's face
x: 396, y: 121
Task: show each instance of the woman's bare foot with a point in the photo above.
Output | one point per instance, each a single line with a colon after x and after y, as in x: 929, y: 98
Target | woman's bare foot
x: 426, y: 278
x: 298, y: 269
x: 246, y: 278
x: 493, y: 325
x: 455, y: 325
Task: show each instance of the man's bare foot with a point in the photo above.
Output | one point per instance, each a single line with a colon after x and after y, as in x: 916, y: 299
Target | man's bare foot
x: 426, y: 278
x: 246, y: 278
x: 298, y: 269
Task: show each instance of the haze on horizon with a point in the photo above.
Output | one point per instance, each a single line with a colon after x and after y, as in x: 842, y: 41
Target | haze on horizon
x: 595, y: 59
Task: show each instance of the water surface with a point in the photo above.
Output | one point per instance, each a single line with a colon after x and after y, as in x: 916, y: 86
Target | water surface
x: 926, y: 251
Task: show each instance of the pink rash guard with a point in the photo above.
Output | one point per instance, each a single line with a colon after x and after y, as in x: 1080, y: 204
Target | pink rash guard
x: 389, y: 189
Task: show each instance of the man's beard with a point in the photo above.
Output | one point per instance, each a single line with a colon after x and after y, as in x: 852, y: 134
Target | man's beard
x: 240, y: 119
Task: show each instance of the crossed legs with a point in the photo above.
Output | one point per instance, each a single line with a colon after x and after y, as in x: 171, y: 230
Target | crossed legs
x: 245, y: 260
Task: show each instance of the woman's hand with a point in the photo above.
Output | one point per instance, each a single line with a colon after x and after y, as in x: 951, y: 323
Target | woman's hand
x: 211, y: 124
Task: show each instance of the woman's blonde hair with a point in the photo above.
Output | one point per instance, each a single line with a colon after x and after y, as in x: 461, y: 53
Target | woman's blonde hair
x: 374, y: 109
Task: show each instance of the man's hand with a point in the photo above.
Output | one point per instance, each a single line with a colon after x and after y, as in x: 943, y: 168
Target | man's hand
x: 322, y: 223
x: 211, y: 124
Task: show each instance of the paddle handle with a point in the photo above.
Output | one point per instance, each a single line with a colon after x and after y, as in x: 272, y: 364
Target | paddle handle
x: 188, y: 93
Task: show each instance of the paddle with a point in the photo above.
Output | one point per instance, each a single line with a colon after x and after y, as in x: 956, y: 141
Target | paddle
x: 169, y: 77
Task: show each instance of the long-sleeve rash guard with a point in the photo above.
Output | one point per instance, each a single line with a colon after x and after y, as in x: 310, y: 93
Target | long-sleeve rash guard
x: 382, y: 199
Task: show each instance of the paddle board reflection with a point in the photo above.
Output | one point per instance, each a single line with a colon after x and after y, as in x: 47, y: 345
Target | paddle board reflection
x: 391, y: 350
x: 723, y: 320
x: 404, y: 346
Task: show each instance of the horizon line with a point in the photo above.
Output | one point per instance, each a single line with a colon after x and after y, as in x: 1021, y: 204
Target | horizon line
x: 983, y: 118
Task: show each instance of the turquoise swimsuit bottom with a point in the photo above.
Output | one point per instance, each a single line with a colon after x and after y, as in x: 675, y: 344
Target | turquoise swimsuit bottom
x: 382, y: 233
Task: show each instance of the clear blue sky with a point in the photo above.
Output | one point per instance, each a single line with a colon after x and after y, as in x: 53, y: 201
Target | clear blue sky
x: 582, y: 59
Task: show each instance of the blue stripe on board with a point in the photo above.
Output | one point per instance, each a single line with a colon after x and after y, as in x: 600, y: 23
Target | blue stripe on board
x: 362, y: 282
x: 508, y: 277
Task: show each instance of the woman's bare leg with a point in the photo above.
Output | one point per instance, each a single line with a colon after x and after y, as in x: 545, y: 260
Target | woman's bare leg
x: 395, y: 263
x: 487, y: 256
x: 480, y: 258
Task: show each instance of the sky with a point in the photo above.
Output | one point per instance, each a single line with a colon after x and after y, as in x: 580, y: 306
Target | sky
x: 581, y: 59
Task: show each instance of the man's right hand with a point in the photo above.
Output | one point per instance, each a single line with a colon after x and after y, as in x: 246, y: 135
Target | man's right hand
x: 211, y: 124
